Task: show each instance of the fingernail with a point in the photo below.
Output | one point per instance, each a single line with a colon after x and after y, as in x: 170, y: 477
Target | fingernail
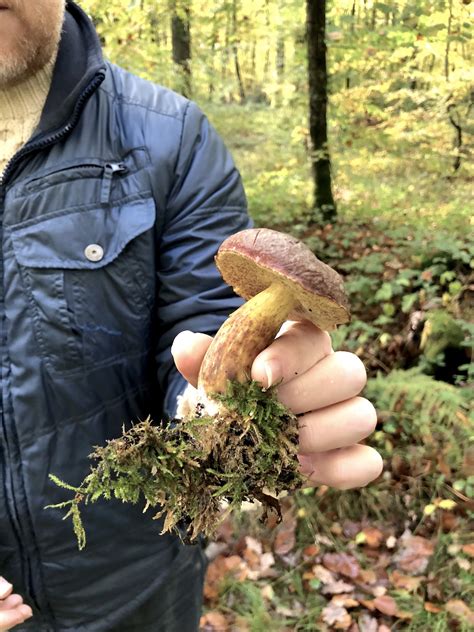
x: 272, y: 371
x: 5, y: 587
x: 306, y: 464
x: 26, y: 611
x: 181, y: 333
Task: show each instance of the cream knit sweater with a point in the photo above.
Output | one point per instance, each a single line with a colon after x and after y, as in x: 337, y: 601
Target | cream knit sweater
x: 20, y: 112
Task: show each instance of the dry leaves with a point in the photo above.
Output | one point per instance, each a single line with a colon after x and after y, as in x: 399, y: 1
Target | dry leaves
x: 342, y: 563
x: 371, y: 536
x: 358, y: 599
x: 407, y: 582
x: 468, y: 549
x: 459, y: 609
x: 220, y: 568
x: 336, y: 616
x: 285, y: 538
x: 414, y: 553
x: 213, y: 621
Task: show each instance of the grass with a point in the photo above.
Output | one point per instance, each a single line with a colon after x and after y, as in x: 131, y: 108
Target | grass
x: 398, y: 171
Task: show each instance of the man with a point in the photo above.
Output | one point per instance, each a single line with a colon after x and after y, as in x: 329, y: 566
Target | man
x: 115, y: 195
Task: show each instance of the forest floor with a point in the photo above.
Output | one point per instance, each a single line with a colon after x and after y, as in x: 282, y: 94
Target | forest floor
x: 397, y: 555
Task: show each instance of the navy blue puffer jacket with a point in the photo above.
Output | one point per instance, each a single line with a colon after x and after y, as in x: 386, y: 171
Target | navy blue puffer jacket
x: 111, y: 216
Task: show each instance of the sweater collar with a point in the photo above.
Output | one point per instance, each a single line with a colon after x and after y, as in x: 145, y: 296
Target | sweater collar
x: 26, y: 100
x: 79, y: 62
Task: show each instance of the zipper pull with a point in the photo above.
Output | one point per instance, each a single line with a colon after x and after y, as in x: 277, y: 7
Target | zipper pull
x: 110, y: 169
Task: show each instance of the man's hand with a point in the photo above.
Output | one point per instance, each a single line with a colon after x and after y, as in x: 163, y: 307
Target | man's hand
x: 321, y: 387
x: 12, y: 609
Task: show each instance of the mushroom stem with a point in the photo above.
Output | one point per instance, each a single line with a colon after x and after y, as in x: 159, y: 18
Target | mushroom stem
x: 248, y: 331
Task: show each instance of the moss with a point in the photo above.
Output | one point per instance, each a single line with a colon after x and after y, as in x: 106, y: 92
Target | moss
x: 186, y: 468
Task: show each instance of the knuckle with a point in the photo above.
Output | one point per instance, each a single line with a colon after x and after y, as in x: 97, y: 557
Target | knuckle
x: 325, y: 343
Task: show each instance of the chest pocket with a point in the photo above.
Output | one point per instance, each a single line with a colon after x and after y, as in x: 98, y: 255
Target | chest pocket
x: 89, y: 276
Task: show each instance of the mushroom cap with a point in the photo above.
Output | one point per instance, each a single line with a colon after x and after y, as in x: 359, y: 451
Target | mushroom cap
x: 253, y: 259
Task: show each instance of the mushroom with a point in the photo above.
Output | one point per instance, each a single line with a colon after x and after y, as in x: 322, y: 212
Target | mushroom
x: 236, y: 446
x: 281, y: 279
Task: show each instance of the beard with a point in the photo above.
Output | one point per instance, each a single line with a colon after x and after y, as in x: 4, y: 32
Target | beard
x: 30, y: 31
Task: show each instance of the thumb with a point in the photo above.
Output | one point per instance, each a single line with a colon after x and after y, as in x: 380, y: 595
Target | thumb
x: 188, y: 351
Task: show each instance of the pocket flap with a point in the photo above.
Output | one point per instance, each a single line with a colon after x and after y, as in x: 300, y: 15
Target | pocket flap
x: 70, y: 241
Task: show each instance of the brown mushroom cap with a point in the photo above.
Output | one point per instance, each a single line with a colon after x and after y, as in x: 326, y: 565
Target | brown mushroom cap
x: 253, y: 259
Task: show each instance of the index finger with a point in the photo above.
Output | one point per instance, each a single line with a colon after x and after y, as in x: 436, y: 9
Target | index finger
x: 297, y: 348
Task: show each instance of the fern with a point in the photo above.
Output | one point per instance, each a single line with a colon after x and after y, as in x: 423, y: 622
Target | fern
x: 425, y: 412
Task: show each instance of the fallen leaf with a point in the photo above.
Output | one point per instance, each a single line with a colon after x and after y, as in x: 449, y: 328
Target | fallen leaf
x: 346, y: 601
x: 386, y: 605
x: 336, y: 528
x: 460, y: 609
x: 241, y: 624
x: 218, y: 569
x: 468, y: 549
x: 336, y: 588
x: 373, y: 537
x: 213, y: 621
x: 252, y: 558
x: 368, y: 603
x: 379, y: 591
x: 310, y: 551
x: 414, y: 553
x: 408, y: 582
x: 431, y: 607
x: 213, y: 549
x: 285, y: 538
x: 351, y: 528
x: 342, y: 563
x: 464, y: 564
x: 253, y: 544
x: 367, y: 576
x: 321, y: 573
x: 266, y: 561
x: 267, y: 592
x: 336, y: 616
x: 449, y: 521
x: 383, y: 628
x: 468, y: 462
x: 367, y: 623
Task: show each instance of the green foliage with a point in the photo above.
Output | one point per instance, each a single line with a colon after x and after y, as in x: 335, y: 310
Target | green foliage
x: 422, y: 412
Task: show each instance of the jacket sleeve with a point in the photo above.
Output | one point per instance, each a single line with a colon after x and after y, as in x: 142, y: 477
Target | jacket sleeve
x: 206, y: 204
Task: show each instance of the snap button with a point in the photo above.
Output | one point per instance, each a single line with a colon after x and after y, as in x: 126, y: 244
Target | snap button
x: 94, y: 252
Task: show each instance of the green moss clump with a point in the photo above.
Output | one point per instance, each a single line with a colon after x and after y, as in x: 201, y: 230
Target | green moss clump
x: 186, y: 468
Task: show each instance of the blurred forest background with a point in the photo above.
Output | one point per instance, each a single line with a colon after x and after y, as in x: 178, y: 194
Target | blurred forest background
x: 392, y: 214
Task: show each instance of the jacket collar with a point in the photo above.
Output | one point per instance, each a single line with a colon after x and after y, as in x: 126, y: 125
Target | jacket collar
x: 78, y: 64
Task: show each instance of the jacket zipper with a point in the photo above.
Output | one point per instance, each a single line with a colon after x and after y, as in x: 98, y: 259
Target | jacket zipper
x: 24, y: 151
x: 57, y: 136
x: 110, y: 169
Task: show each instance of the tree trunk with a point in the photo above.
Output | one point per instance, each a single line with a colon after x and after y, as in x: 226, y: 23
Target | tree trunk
x: 454, y: 119
x: 181, y: 42
x: 214, y: 37
x: 448, y: 41
x: 280, y: 57
x: 235, y: 51
x: 324, y: 205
